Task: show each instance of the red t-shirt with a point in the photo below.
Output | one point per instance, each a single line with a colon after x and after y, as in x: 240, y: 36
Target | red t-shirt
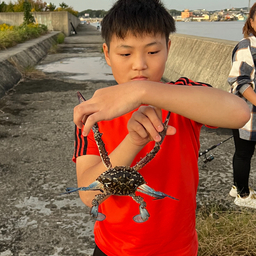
x: 170, y: 229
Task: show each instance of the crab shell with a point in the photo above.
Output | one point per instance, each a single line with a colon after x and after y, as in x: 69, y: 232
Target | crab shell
x: 121, y: 180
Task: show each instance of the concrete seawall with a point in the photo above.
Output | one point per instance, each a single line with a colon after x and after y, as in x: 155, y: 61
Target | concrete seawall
x: 55, y: 21
x: 200, y: 59
x: 22, y: 56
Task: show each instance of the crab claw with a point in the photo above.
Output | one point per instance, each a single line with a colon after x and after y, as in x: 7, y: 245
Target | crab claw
x: 151, y: 192
x: 94, y: 186
x: 96, y: 214
x: 143, y: 216
x: 70, y: 190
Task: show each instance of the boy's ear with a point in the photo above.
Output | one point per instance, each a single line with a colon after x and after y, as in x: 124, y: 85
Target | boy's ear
x: 106, y: 53
x: 169, y: 45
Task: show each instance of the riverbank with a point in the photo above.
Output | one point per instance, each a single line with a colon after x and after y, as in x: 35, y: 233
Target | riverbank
x: 22, y: 56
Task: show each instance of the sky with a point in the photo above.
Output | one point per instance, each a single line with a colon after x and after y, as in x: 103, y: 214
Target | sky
x: 210, y: 5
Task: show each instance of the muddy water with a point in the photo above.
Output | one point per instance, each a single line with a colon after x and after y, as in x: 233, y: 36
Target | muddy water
x: 86, y: 68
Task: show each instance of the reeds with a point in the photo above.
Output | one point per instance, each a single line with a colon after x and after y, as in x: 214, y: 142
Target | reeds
x: 226, y: 232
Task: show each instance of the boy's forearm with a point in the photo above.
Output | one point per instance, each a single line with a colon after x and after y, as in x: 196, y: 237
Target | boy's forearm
x: 202, y: 104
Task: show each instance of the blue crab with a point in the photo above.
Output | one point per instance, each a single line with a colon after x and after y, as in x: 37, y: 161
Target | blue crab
x: 122, y: 180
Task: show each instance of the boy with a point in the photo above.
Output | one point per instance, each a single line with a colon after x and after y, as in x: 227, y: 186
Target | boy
x: 136, y: 34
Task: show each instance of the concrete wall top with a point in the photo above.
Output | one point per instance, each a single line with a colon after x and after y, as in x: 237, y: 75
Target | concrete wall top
x: 11, y: 18
x: 200, y: 59
x: 55, y: 21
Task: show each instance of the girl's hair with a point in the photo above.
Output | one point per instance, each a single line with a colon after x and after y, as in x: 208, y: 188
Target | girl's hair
x: 138, y: 17
x: 247, y: 29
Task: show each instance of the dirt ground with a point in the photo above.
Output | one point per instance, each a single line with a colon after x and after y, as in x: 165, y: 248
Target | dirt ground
x: 36, y: 147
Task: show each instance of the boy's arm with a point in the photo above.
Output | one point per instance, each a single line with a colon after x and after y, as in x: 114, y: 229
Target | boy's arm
x: 205, y: 105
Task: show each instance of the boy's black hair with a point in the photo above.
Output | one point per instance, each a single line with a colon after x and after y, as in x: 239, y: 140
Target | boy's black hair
x: 138, y: 17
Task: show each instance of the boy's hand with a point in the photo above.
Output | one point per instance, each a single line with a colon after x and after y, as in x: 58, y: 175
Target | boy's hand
x: 145, y: 125
x: 106, y: 104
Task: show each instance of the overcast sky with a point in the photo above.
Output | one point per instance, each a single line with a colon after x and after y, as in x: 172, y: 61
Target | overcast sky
x: 80, y: 5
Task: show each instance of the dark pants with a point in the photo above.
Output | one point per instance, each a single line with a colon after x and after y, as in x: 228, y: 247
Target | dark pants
x: 98, y: 252
x: 244, y: 150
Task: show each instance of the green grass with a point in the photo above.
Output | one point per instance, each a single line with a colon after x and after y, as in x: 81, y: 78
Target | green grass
x: 226, y: 232
x: 55, y: 48
x: 60, y: 38
x: 13, y: 35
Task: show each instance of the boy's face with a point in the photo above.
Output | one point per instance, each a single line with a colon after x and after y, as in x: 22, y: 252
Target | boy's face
x: 137, y: 58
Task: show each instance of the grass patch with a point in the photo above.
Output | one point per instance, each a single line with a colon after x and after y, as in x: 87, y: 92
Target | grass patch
x: 60, y: 38
x: 55, y: 48
x: 13, y: 35
x: 32, y: 73
x: 226, y: 232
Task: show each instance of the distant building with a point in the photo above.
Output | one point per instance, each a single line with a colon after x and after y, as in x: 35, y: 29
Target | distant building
x: 83, y: 19
x: 186, y: 14
x: 241, y: 16
x: 178, y: 18
x: 204, y: 17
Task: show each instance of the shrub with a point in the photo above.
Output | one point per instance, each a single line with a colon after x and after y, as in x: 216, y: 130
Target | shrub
x: 4, y: 27
x: 60, y: 38
x: 12, y: 35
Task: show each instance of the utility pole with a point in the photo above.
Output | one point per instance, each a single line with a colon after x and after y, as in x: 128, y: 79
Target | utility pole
x: 249, y: 6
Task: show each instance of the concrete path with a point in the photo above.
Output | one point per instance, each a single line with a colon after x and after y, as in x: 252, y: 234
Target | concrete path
x: 36, y: 147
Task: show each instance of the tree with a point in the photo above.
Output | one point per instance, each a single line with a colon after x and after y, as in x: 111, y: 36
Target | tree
x: 19, y: 6
x: 10, y: 7
x: 38, y: 5
x: 63, y: 5
x: 3, y: 7
x: 174, y: 12
x: 93, y: 13
x: 28, y: 17
x: 50, y: 7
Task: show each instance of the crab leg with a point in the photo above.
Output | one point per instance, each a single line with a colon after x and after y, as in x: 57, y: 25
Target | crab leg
x: 94, y: 186
x: 101, y: 146
x: 95, y: 207
x: 97, y: 136
x: 144, y: 215
x: 156, y: 148
x: 151, y: 192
